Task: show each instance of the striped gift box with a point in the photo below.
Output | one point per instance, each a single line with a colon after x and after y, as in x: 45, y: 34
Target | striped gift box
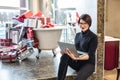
x: 5, y: 42
x: 10, y: 56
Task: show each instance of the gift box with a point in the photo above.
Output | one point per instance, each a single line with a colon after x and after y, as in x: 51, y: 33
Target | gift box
x: 23, y: 33
x: 36, y: 43
x: 14, y: 35
x: 10, y: 56
x: 27, y: 14
x: 39, y: 24
x: 31, y: 22
x: 21, y: 50
x: 30, y: 33
x: 44, y: 20
x: 49, y: 25
x: 5, y: 42
x: 38, y: 14
x: 24, y: 54
x: 8, y: 48
x: 15, y: 54
x: 4, y: 49
x: 24, y: 16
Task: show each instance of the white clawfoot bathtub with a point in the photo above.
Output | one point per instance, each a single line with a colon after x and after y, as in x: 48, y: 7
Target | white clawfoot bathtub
x: 48, y: 37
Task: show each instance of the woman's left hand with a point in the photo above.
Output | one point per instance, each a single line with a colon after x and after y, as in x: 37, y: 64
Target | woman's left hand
x: 71, y: 54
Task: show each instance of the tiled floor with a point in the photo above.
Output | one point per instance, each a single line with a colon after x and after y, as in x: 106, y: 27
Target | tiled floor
x: 45, y: 68
x: 31, y: 69
x: 110, y: 74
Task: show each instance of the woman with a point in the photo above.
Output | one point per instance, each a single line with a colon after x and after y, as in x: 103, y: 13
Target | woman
x: 85, y: 41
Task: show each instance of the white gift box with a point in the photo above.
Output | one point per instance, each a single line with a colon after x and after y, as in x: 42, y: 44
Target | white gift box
x: 14, y: 35
x: 30, y: 22
x: 23, y: 55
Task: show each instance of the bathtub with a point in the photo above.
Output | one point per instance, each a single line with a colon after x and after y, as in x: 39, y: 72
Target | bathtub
x: 48, y: 37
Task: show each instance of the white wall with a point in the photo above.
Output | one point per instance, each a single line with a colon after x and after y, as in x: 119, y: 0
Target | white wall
x: 112, y: 25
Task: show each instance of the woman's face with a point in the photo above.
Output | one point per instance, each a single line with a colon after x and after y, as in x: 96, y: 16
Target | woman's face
x: 83, y: 25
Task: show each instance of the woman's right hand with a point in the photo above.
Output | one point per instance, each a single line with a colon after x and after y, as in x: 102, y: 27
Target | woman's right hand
x: 62, y: 51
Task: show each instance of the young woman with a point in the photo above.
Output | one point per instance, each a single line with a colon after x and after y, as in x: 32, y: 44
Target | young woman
x: 85, y: 41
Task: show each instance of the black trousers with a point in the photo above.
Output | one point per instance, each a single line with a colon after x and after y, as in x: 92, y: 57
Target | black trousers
x: 84, y: 69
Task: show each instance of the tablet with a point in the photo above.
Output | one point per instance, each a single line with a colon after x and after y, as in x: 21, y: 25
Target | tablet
x: 71, y: 47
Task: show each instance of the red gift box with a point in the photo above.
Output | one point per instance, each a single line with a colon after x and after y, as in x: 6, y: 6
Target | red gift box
x: 19, y: 51
x: 49, y: 25
x: 44, y: 20
x: 8, y: 48
x: 36, y: 43
x: 30, y: 33
x: 28, y: 14
x: 10, y: 56
x: 24, y: 16
x: 5, y: 42
x: 38, y: 14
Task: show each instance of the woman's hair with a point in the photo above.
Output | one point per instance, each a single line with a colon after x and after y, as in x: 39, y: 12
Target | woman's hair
x: 86, y: 18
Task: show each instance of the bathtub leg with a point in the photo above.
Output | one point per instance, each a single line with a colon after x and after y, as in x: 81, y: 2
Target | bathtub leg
x: 39, y: 51
x: 118, y: 74
x: 54, y: 52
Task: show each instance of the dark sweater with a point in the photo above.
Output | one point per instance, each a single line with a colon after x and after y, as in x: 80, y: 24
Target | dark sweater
x: 87, y: 42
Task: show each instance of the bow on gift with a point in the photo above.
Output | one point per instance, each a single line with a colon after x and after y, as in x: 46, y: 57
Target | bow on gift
x: 48, y: 25
x: 24, y: 16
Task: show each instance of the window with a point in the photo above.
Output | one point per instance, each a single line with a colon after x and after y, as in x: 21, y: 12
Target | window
x: 11, y: 8
x: 7, y: 14
x: 23, y: 6
x: 10, y: 3
x: 61, y: 10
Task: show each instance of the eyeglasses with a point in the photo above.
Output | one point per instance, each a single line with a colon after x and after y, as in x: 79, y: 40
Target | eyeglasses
x: 83, y: 23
